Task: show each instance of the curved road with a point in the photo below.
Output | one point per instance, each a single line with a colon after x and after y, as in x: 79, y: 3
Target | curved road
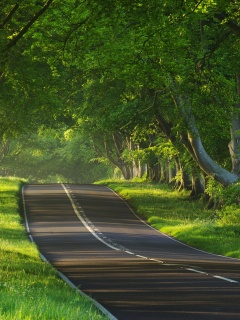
x: 93, y: 237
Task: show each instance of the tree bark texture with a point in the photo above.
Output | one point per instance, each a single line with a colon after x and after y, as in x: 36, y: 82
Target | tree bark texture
x: 234, y: 144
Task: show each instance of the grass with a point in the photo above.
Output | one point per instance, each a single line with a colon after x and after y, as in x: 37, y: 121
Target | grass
x: 30, y: 288
x: 175, y: 214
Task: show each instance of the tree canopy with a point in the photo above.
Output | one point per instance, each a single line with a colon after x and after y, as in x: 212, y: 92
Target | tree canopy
x: 130, y: 77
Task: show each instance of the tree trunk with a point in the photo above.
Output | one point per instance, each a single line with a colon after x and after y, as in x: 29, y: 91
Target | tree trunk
x: 196, y: 149
x: 171, y: 171
x: 162, y: 174
x: 234, y: 144
x: 192, y: 142
x: 4, y: 148
x: 184, y: 178
x: 126, y: 172
x: 135, y: 164
x: 186, y: 182
x: 197, y: 187
x: 208, y: 165
x: 114, y: 153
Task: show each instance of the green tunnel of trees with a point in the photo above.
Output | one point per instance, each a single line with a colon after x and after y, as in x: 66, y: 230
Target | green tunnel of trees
x: 148, y: 87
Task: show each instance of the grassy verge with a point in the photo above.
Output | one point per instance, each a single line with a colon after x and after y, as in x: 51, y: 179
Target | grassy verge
x: 29, y: 287
x: 173, y: 213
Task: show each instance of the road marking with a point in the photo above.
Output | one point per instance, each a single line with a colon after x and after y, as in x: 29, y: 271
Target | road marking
x: 86, y: 221
x: 197, y: 271
x: 226, y: 279
x: 166, y: 235
x: 108, y: 242
x: 129, y: 252
x: 64, y: 278
x: 138, y: 255
x: 214, y: 276
x: 156, y: 260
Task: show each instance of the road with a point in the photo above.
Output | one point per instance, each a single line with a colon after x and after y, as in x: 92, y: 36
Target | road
x: 92, y: 236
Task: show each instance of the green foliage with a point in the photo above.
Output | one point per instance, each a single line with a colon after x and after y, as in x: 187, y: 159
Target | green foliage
x: 118, y: 67
x: 214, y: 189
x: 49, y: 157
x: 227, y: 204
x: 230, y: 215
x: 231, y: 194
x: 224, y: 196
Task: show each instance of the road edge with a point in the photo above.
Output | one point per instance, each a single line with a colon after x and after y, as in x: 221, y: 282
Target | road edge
x: 168, y: 236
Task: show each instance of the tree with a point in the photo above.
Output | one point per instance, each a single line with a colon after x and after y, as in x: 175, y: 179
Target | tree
x: 130, y: 64
x: 50, y: 156
x: 186, y: 71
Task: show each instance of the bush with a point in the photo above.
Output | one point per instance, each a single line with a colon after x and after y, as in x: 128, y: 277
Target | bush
x: 229, y: 215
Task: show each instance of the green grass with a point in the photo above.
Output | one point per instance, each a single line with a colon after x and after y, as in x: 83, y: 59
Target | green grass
x: 30, y: 288
x: 175, y: 214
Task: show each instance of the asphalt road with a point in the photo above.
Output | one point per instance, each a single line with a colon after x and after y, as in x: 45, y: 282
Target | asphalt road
x: 91, y: 235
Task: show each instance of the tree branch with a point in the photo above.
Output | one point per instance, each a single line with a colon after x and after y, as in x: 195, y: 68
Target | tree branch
x: 230, y: 23
x: 28, y: 26
x: 9, y: 16
x: 74, y: 29
x: 4, y: 149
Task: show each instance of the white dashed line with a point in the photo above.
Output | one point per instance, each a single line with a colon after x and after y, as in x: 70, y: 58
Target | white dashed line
x: 108, y: 242
x: 138, y: 255
x: 156, y: 260
x: 197, y: 271
x: 129, y: 252
x: 69, y: 283
x: 86, y: 223
x: 226, y: 279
